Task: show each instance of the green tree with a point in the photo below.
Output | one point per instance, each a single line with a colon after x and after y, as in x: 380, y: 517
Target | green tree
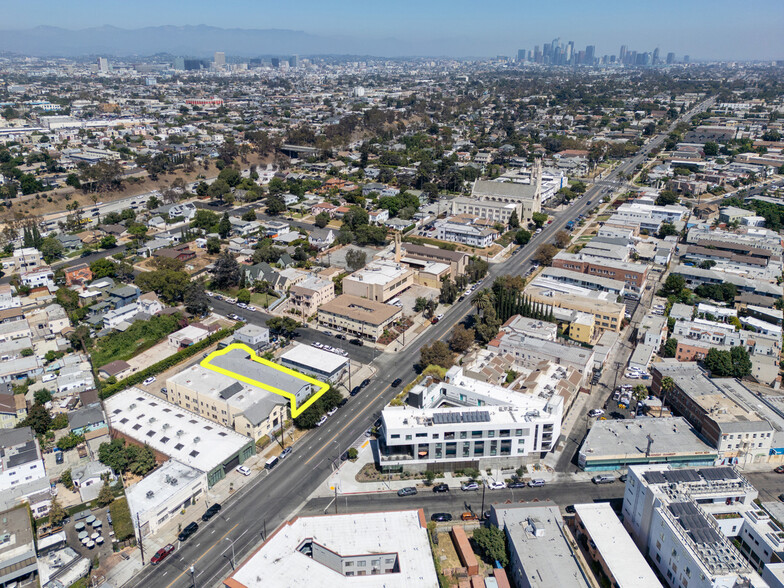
x: 461, y: 338
x: 667, y: 230
x: 741, y: 363
x: 226, y: 271
x: 539, y: 218
x: 57, y: 513
x: 282, y: 325
x: 275, y: 205
x: 562, y: 239
x: 103, y: 268
x: 514, y: 221
x: 108, y: 241
x: 674, y: 284
x: 169, y: 285
x: 666, y: 198
x: 449, y: 291
x: 105, y: 496
x: 522, y: 237
x: 249, y: 216
x: 60, y: 421
x: 224, y: 226
x: 710, y: 149
x: 196, y: 300
x: 492, y: 542
x: 38, y: 419
x: 670, y: 348
x: 66, y: 479
x: 231, y: 176
x: 213, y: 245
x: 322, y: 219
x: 719, y: 362
x: 545, y: 253
x: 355, y: 259
x: 206, y: 220
x: 243, y: 296
x: 420, y: 304
x: 42, y: 396
x: 51, y: 249
x: 437, y: 353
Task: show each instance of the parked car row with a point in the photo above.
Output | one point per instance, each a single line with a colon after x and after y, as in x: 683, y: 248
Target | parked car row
x: 329, y: 348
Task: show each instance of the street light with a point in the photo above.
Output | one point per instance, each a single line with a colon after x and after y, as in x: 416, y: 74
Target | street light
x: 232, y: 552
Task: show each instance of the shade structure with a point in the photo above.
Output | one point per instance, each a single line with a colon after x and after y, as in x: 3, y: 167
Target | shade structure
x: 90, y: 520
x: 79, y: 526
x: 99, y: 540
x: 82, y: 535
x: 90, y: 544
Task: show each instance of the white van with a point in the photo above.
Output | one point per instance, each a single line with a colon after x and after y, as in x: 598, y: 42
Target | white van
x: 603, y: 479
x: 271, y: 462
x: 49, y: 377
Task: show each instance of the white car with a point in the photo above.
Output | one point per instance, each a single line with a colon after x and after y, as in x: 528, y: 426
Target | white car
x: 595, y: 412
x: 149, y: 381
x: 496, y: 485
x: 252, y: 308
x: 245, y: 471
x: 440, y: 316
x: 332, y: 411
x: 322, y: 420
x: 633, y: 375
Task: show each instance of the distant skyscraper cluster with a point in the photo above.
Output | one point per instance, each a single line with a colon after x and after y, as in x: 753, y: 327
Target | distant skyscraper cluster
x: 559, y: 53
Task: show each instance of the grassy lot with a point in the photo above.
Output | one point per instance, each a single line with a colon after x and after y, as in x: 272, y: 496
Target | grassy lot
x: 139, y: 337
x: 121, y: 519
x: 262, y: 300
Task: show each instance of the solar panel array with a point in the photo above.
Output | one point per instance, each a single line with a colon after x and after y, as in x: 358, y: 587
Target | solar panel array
x: 694, y: 523
x: 716, y: 474
x: 476, y: 416
x: 654, y: 477
x: 678, y: 476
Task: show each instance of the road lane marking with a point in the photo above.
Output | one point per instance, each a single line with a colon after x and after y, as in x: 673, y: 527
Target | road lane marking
x: 198, y: 559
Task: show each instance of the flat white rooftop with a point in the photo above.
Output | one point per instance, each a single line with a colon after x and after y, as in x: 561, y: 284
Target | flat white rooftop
x: 379, y: 272
x: 278, y: 563
x: 160, y: 485
x: 625, y: 562
x: 171, y: 430
x: 324, y: 361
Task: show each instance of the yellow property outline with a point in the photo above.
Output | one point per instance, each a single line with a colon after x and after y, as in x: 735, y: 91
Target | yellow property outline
x: 295, y: 412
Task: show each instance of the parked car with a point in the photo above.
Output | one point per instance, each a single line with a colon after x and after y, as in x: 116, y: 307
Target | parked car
x: 342, y: 402
x: 496, y: 485
x: 570, y: 509
x: 516, y: 484
x: 595, y: 412
x: 364, y: 383
x: 441, y: 488
x: 623, y: 477
x: 211, y: 512
x: 355, y: 390
x: 357, y: 342
x: 397, y: 382
x: 468, y: 516
x: 407, y: 491
x: 188, y: 531
x: 332, y: 411
x: 603, y: 479
x: 536, y: 483
x: 244, y: 470
x: 321, y: 421
x: 469, y: 487
x: 779, y: 470
x: 284, y: 454
x: 441, y: 517
x: 162, y: 554
x: 149, y: 381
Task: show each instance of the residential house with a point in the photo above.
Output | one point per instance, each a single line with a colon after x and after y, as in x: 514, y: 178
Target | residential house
x: 180, y: 252
x: 79, y: 274
x: 321, y: 238
x: 308, y: 295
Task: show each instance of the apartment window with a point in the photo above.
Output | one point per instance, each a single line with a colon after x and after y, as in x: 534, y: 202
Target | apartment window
x: 464, y: 434
x: 476, y: 434
x: 420, y: 435
x: 395, y: 436
x: 518, y: 432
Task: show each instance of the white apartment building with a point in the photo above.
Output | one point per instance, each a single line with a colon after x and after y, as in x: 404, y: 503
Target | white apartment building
x: 677, y: 517
x: 21, y: 461
x: 463, y: 422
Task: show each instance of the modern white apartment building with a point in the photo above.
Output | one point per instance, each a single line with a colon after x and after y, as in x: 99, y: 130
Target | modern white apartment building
x: 463, y: 422
x: 21, y: 461
x: 678, y: 517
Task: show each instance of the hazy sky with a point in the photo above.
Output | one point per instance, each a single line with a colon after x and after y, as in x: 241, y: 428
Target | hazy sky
x: 702, y: 28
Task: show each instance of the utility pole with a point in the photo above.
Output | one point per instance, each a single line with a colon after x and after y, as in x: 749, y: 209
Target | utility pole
x: 336, y: 498
x: 193, y: 577
x: 141, y: 544
x: 482, y: 514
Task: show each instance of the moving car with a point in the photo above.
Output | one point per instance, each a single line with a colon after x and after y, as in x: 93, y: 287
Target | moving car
x: 162, y: 554
x: 441, y: 517
x: 469, y: 487
x: 536, y: 483
x: 441, y: 488
x: 244, y: 470
x: 407, y: 491
x: 211, y: 512
x: 188, y: 531
x: 397, y: 382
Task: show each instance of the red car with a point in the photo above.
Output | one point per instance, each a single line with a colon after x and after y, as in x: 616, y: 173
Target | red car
x: 779, y: 470
x: 162, y: 554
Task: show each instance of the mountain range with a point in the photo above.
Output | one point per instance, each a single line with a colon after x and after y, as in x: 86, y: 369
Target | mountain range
x: 196, y: 41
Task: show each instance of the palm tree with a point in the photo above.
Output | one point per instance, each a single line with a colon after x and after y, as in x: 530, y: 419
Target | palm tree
x: 483, y: 300
x: 667, y: 386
